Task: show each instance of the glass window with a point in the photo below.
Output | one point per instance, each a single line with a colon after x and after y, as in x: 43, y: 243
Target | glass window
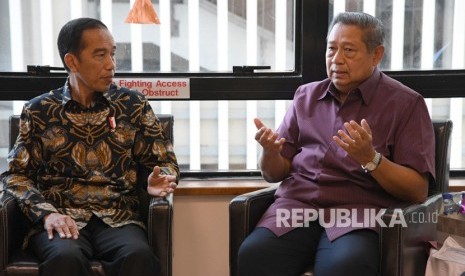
x: 194, y: 35
x: 208, y: 135
x: 204, y: 37
x: 420, y: 35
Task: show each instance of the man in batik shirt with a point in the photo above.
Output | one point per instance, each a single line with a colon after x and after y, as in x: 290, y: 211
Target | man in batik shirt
x: 74, y: 167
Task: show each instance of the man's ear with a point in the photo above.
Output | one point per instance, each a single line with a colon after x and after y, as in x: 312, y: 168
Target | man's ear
x: 378, y: 55
x: 71, y: 61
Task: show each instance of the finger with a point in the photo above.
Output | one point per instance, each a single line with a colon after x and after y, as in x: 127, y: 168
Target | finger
x: 270, y: 136
x: 365, y: 126
x: 282, y: 141
x: 264, y: 137
x: 261, y: 135
x: 60, y: 232
x: 341, y: 143
x: 50, y: 233
x: 59, y: 227
x: 67, y: 232
x: 258, y: 123
x: 74, y: 231
x: 170, y: 178
x: 73, y: 228
x: 70, y: 228
x: 173, y: 185
x: 345, y: 137
x: 274, y: 136
x: 362, y: 132
x: 267, y: 133
x: 351, y: 130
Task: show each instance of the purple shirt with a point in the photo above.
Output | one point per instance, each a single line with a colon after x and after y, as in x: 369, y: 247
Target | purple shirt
x: 323, y: 176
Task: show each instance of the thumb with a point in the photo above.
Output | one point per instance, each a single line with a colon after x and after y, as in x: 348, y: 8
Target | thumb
x: 156, y: 171
x: 258, y: 123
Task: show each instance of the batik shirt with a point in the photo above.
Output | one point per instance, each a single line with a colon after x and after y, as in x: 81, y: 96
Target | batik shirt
x: 82, y: 161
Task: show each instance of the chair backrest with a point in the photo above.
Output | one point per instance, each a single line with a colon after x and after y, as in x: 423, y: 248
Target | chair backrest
x: 166, y: 120
x: 442, y: 132
x: 14, y: 130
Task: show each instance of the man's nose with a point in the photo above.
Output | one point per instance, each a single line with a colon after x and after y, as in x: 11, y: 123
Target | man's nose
x: 338, y: 57
x: 110, y: 63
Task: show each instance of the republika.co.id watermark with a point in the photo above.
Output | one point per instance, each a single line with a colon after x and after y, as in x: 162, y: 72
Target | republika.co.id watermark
x: 340, y: 217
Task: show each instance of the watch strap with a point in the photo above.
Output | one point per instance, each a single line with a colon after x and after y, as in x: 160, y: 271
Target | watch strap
x: 373, y: 164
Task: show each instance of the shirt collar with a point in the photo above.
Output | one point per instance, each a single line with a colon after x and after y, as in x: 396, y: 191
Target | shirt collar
x: 107, y: 94
x: 366, y: 88
x: 67, y: 92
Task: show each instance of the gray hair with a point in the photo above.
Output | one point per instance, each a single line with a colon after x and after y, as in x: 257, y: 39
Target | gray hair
x: 371, y: 26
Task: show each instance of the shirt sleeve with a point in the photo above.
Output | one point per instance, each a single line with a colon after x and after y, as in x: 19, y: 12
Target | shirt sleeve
x: 23, y: 162
x: 153, y: 147
x: 414, y: 142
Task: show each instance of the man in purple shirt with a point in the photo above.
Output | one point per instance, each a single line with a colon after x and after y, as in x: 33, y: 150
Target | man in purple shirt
x: 348, y: 146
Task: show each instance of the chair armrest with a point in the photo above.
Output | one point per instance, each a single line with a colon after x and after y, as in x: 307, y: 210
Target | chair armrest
x: 13, y: 225
x: 404, y: 250
x: 244, y: 213
x: 159, y: 228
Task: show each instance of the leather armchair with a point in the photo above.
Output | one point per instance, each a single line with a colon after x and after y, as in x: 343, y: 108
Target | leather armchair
x: 157, y: 214
x: 404, y: 250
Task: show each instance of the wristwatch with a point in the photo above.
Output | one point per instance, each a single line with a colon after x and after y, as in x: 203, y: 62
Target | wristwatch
x: 373, y: 164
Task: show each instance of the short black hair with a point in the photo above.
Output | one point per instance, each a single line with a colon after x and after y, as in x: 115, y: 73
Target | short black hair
x: 69, y: 38
x: 371, y: 26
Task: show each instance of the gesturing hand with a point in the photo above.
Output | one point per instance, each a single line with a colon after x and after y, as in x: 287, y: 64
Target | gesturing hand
x: 357, y: 141
x: 160, y: 185
x: 64, y: 225
x: 267, y: 138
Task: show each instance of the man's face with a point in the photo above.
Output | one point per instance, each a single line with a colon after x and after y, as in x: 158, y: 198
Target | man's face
x: 348, y: 61
x: 94, y: 67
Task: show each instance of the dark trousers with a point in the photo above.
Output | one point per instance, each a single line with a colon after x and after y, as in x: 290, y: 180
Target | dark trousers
x: 122, y: 251
x: 263, y: 253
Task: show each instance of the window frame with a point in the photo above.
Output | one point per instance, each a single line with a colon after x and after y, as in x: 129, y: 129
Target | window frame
x: 310, y: 43
x: 309, y: 65
x: 311, y: 24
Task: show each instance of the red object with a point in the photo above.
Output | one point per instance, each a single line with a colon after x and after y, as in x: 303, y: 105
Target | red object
x: 142, y: 12
x: 112, y: 122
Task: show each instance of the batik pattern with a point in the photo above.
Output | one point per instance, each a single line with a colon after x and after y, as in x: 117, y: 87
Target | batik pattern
x: 72, y: 160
